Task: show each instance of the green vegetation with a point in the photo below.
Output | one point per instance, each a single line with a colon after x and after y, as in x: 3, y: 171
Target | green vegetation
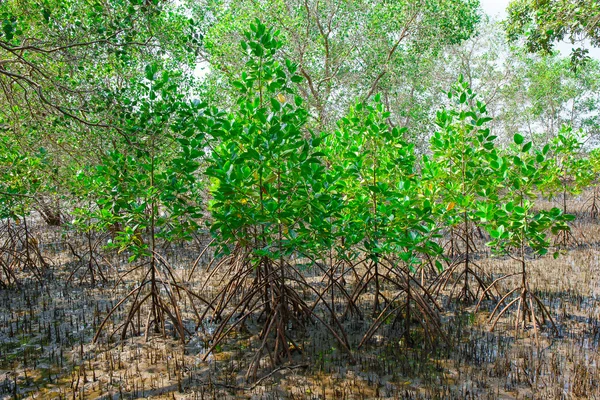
x: 336, y: 184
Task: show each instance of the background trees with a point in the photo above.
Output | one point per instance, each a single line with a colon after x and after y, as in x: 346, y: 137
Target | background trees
x: 543, y: 23
x: 345, y: 50
x: 64, y: 69
x: 525, y: 93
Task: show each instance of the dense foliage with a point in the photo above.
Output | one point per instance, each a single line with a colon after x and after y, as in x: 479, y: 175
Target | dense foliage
x: 543, y: 23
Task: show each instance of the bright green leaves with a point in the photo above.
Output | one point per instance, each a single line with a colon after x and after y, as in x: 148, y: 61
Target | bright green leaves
x: 497, y: 233
x: 151, y: 70
x: 573, y: 171
x: 495, y: 189
x: 518, y: 138
x: 268, y: 187
x: 261, y: 41
x: 515, y: 228
x: 464, y: 161
x: 154, y: 183
x: 513, y: 222
x: 384, y: 213
x: 275, y: 192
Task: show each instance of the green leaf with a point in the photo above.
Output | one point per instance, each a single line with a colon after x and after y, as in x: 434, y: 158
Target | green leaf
x: 546, y: 149
x: 518, y: 138
x: 275, y: 105
x: 569, y: 217
x: 483, y: 120
x: 151, y: 70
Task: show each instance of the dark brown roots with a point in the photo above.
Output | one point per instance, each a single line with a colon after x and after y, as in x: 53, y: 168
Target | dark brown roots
x: 467, y: 281
x: 271, y: 292
x: 409, y: 302
x: 529, y: 307
x: 462, y: 272
x: 19, y: 253
x: 89, y: 261
x: 565, y: 238
x: 592, y: 203
x: 160, y: 289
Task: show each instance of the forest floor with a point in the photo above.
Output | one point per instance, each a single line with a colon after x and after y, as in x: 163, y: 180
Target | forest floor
x: 47, y: 327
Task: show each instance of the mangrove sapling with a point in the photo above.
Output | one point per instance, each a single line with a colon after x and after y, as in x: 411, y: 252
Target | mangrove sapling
x: 85, y: 223
x: 516, y: 228
x: 460, y: 169
x: 365, y: 142
x: 267, y: 173
x: 150, y: 190
x: 592, y: 203
x: 327, y: 251
x: 573, y: 174
x: 334, y: 249
x: 20, y: 181
x: 385, y: 217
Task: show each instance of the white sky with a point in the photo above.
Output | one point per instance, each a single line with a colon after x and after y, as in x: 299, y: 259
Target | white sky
x: 497, y: 9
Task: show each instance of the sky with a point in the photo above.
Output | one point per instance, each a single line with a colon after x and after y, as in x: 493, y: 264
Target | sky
x: 497, y: 10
